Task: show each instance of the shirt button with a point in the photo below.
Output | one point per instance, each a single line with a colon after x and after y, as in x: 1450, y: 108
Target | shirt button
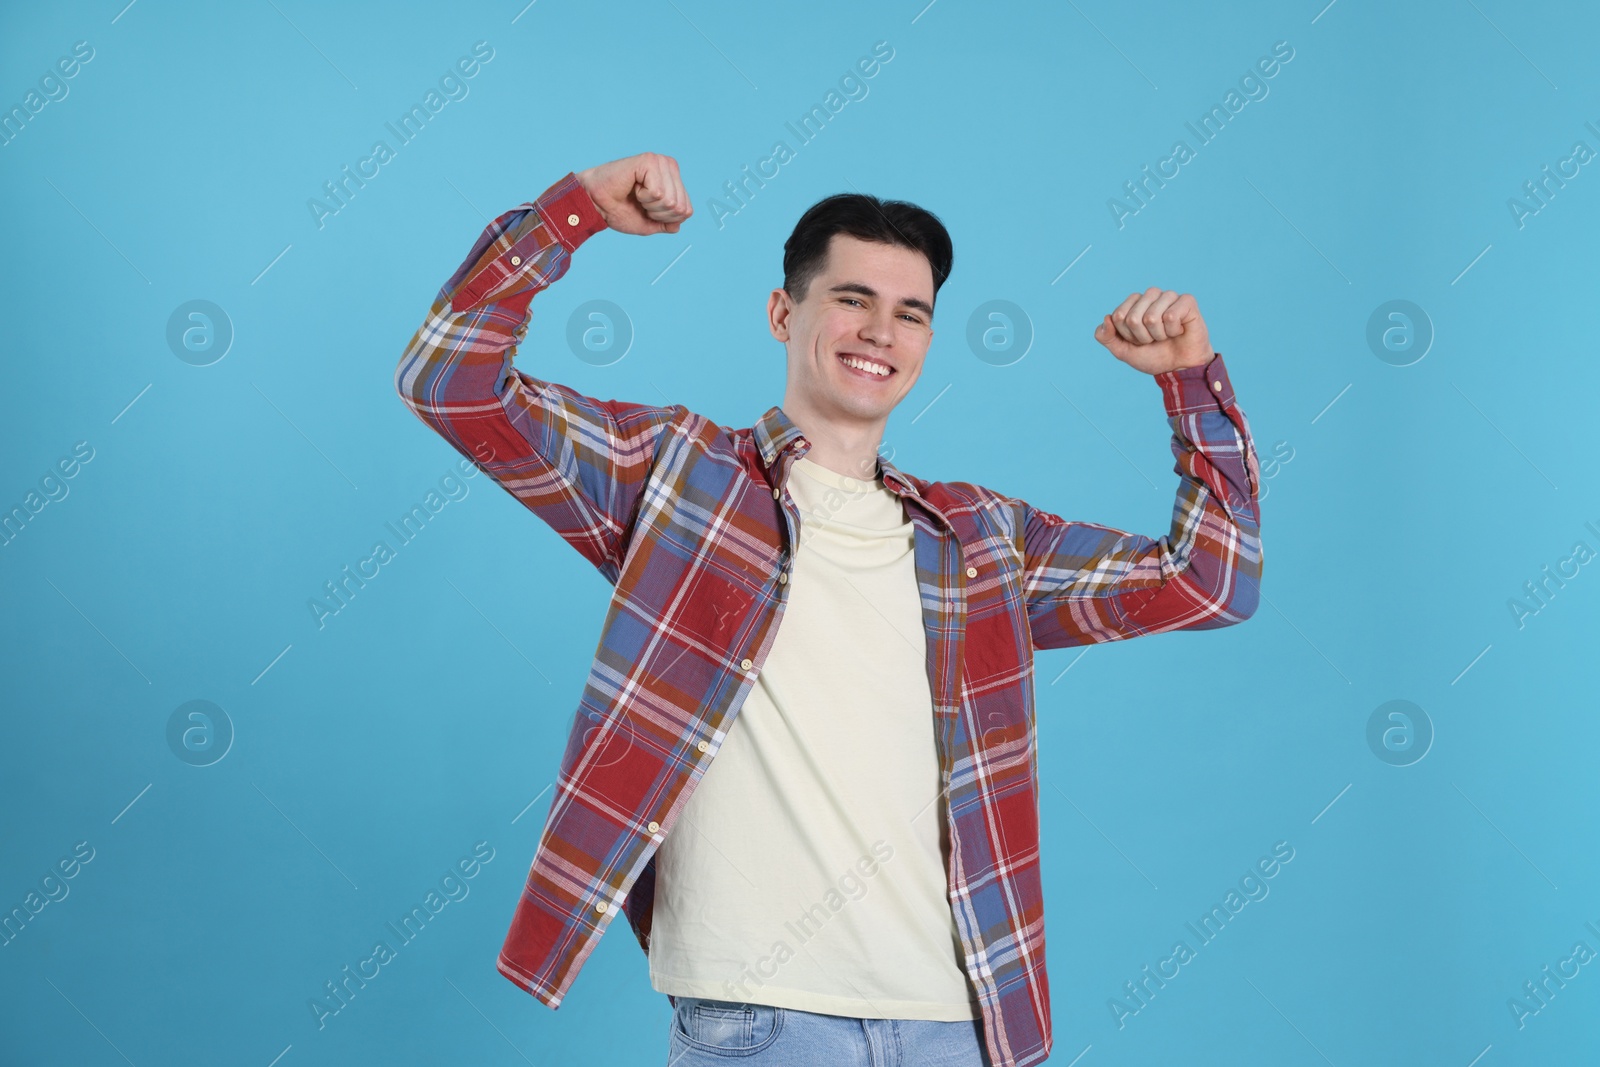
x: 776, y: 493
x: 1217, y: 386
x: 746, y: 664
x: 572, y: 220
x: 972, y: 572
x: 783, y: 578
x: 516, y: 261
x: 702, y: 746
x: 601, y: 907
x: 654, y: 826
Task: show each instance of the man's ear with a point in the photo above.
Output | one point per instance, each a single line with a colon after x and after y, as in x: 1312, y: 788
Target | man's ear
x: 779, y: 308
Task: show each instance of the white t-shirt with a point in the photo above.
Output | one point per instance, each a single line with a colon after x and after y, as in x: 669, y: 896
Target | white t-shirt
x: 807, y: 869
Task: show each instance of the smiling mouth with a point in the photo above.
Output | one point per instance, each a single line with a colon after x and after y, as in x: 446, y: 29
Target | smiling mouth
x: 863, y: 367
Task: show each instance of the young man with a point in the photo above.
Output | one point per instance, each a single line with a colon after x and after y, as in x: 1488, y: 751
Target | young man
x: 803, y: 761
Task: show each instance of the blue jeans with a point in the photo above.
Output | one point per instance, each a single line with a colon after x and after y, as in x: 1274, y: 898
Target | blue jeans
x: 720, y: 1033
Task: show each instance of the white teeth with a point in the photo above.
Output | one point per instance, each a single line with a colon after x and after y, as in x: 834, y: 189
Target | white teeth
x: 872, y: 368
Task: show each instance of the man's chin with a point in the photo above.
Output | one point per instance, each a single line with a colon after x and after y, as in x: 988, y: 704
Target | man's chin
x: 862, y: 409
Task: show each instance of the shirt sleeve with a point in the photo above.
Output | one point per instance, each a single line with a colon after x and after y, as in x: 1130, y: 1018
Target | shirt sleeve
x: 578, y: 463
x: 1085, y: 583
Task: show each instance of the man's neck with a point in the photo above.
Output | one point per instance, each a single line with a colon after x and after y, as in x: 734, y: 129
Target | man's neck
x: 848, y: 448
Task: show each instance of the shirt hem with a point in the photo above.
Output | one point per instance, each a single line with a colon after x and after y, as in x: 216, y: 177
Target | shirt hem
x: 820, y: 1003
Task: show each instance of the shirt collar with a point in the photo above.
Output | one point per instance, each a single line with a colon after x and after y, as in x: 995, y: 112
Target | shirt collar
x: 775, y: 433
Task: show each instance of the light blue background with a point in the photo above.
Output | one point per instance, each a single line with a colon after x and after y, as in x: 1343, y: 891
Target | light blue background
x: 429, y: 714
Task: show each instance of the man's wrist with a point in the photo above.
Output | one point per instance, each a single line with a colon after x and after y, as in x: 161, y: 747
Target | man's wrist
x: 569, y: 212
x: 1204, y: 387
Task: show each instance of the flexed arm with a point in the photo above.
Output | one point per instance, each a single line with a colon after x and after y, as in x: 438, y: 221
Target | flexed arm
x: 576, y: 462
x: 1086, y: 583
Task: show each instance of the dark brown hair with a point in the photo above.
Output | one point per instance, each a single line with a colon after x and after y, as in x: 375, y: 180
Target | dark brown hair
x: 894, y: 222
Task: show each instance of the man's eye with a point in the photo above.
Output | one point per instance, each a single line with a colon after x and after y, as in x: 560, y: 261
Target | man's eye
x: 851, y: 300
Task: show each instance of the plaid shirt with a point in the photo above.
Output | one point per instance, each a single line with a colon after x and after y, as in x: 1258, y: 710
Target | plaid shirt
x: 689, y: 521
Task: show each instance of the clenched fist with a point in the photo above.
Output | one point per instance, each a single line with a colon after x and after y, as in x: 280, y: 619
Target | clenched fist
x: 641, y: 194
x: 1156, y: 331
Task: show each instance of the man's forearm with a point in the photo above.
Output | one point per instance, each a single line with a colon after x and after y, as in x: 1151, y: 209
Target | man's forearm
x: 1232, y: 472
x: 455, y: 360
x: 527, y: 248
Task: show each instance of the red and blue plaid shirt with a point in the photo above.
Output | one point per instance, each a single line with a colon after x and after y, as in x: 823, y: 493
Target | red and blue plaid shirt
x: 690, y: 522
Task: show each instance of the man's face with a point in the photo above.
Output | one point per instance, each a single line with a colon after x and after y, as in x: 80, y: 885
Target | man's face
x: 871, y: 304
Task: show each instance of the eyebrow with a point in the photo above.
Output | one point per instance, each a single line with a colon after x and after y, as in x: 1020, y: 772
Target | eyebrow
x: 867, y: 290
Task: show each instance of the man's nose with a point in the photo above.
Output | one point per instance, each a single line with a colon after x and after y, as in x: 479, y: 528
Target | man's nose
x: 878, y: 329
